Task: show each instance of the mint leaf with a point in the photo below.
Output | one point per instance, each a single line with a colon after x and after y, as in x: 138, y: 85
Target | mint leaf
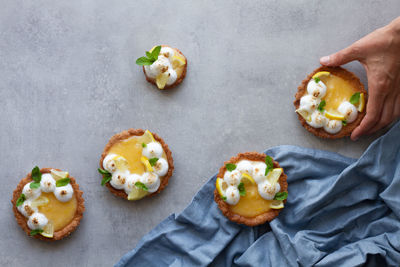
x: 230, y: 166
x: 270, y: 164
x: 144, y: 145
x: 36, y: 231
x: 223, y: 198
x: 281, y: 196
x: 155, y: 52
x: 344, y: 123
x: 144, y: 61
x: 322, y: 105
x: 148, y: 54
x: 62, y: 182
x: 141, y: 186
x: 21, y: 200
x: 106, y: 176
x: 153, y: 161
x: 355, y: 98
x: 36, y: 174
x: 317, y: 80
x: 242, y: 190
x: 34, y: 185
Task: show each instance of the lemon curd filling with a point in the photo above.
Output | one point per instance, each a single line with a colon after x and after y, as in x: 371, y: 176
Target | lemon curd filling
x: 131, y: 149
x: 252, y: 204
x: 60, y: 213
x: 338, y: 91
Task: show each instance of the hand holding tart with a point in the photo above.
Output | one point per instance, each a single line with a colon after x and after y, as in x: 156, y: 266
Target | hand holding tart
x: 48, y: 204
x: 330, y: 102
x: 251, y: 189
x: 164, y: 66
x: 135, y: 164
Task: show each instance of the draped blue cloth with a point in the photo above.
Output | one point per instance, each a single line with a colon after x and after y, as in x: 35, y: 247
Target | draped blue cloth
x: 340, y: 212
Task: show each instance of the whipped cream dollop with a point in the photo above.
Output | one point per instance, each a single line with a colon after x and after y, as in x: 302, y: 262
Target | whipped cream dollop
x: 31, y: 192
x: 47, y: 183
x: 26, y: 208
x: 125, y: 180
x: 64, y: 193
x: 317, y: 119
x: 255, y: 169
x: 163, y: 65
x: 37, y: 221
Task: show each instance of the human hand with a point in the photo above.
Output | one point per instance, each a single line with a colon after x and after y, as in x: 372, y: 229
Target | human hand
x: 379, y: 53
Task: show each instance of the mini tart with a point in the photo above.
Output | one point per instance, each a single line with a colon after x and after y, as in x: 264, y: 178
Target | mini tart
x: 180, y: 77
x: 69, y: 228
x: 225, y: 207
x: 357, y: 86
x: 132, y: 133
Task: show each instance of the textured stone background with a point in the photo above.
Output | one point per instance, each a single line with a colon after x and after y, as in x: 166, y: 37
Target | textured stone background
x: 69, y: 82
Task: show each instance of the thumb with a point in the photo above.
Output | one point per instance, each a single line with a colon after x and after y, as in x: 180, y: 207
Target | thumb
x: 342, y: 57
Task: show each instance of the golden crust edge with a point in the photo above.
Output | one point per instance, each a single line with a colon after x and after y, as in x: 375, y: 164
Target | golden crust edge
x: 178, y: 81
x: 138, y: 132
x: 259, y: 219
x: 348, y: 76
x: 67, y: 230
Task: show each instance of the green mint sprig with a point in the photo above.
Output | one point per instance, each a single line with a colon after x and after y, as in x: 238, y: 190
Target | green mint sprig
x: 321, y: 105
x: 317, y: 80
x: 144, y: 145
x: 63, y: 182
x: 281, y: 196
x: 141, y: 186
x: 355, y: 98
x: 270, y: 164
x: 36, y: 231
x: 106, y: 176
x: 344, y: 123
x: 150, y: 57
x: 21, y: 199
x: 36, y: 177
x: 230, y: 166
x: 242, y: 189
x: 153, y: 161
x: 223, y: 198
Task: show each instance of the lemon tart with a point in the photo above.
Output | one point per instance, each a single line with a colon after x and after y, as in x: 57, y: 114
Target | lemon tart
x: 48, y: 204
x: 135, y: 164
x: 251, y: 189
x: 330, y: 102
x: 164, y: 66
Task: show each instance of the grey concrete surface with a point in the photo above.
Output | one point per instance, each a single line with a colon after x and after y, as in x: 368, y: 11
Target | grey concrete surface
x: 69, y: 82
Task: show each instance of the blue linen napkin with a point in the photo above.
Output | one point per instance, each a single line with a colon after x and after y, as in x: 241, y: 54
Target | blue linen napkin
x: 340, y: 212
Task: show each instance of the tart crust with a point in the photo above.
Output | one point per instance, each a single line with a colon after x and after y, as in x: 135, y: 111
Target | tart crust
x: 138, y: 132
x: 349, y: 77
x: 178, y: 80
x: 60, y: 234
x: 259, y: 219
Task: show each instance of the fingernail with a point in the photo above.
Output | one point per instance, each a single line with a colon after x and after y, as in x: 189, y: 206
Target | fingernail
x: 324, y: 60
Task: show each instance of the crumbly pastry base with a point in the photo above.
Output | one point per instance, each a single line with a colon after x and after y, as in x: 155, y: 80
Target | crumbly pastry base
x: 138, y: 132
x: 262, y: 218
x: 349, y: 77
x: 60, y: 234
x: 178, y: 80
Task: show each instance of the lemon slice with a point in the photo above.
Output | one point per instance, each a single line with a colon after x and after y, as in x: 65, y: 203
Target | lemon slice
x: 304, y: 114
x: 221, y: 186
x: 273, y: 176
x: 146, y: 163
x: 161, y: 80
x: 361, y: 105
x: 48, y: 230
x: 40, y: 201
x: 334, y: 116
x: 120, y: 163
x: 137, y: 193
x: 177, y: 61
x: 57, y: 175
x: 276, y: 204
x: 320, y: 74
x: 247, y: 179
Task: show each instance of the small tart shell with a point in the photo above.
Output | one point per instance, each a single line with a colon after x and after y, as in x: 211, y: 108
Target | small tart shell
x: 178, y: 80
x: 259, y: 219
x: 60, y: 234
x: 138, y: 132
x: 349, y: 77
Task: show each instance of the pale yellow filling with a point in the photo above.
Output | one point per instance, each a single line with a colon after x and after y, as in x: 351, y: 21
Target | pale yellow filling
x: 338, y: 91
